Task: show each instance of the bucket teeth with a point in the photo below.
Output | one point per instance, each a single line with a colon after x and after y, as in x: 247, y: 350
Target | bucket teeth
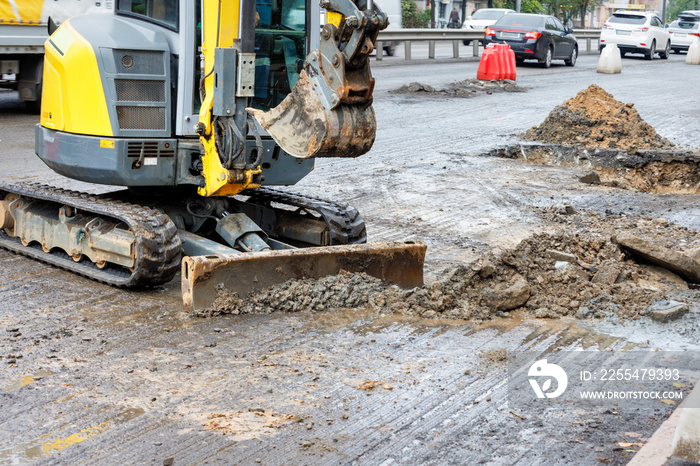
x: 303, y: 128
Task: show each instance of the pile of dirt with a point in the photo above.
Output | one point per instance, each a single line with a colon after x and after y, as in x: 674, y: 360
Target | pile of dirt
x: 466, y: 88
x: 566, y: 273
x: 594, y: 119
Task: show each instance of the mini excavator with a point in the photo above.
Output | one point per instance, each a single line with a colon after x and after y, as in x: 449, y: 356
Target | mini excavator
x: 198, y: 108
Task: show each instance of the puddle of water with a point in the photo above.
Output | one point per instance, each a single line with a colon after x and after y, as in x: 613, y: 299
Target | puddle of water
x: 52, y: 442
x: 670, y: 336
x: 15, y: 383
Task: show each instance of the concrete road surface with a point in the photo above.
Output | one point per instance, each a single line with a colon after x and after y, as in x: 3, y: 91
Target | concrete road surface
x: 96, y: 375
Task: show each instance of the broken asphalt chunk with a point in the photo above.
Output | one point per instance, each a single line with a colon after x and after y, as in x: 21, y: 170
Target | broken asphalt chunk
x: 683, y: 265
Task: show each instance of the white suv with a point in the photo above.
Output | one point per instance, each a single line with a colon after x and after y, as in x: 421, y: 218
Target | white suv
x: 483, y: 18
x: 636, y: 32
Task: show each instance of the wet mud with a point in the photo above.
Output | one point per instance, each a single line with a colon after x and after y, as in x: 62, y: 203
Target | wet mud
x: 460, y: 89
x: 594, y: 131
x: 579, y: 270
x: 250, y: 424
x: 653, y: 171
x: 289, y: 386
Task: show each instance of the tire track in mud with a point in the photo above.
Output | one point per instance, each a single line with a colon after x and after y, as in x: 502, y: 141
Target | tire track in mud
x: 419, y: 414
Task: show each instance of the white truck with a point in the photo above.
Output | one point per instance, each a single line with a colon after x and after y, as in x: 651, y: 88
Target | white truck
x: 23, y: 31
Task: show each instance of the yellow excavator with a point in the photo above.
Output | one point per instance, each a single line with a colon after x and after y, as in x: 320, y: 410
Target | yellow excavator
x: 198, y: 107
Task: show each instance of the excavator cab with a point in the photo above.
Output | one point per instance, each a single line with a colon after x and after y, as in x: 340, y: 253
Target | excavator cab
x: 199, y: 107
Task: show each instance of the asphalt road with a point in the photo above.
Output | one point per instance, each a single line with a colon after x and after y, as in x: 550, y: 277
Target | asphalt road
x: 106, y: 376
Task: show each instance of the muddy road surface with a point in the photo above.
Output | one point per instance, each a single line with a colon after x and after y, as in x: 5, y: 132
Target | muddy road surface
x: 95, y: 375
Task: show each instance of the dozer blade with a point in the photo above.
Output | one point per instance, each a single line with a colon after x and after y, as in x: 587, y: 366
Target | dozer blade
x: 303, y: 128
x: 399, y: 263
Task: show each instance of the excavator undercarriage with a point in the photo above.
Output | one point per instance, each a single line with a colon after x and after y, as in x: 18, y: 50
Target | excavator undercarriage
x: 272, y: 237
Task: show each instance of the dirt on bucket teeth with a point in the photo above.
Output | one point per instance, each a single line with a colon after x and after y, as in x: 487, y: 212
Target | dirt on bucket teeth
x: 595, y: 119
x: 578, y: 270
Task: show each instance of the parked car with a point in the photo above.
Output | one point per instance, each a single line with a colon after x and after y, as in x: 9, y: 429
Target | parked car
x: 483, y: 18
x: 689, y: 15
x: 540, y: 37
x: 636, y: 32
x: 683, y: 33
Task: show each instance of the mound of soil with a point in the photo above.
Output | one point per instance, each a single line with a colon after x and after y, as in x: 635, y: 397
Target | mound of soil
x: 466, y: 88
x: 550, y: 275
x: 594, y: 119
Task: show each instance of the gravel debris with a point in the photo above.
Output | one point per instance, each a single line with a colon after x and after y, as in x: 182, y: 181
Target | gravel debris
x: 462, y: 89
x: 578, y: 270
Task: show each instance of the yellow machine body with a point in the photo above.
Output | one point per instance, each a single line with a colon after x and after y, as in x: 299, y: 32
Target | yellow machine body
x: 73, y: 99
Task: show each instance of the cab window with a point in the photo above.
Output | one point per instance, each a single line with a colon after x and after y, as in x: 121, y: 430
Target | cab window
x: 161, y: 11
x: 280, y: 49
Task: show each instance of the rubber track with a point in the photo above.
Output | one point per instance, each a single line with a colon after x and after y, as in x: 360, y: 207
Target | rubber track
x: 344, y: 221
x: 158, y: 248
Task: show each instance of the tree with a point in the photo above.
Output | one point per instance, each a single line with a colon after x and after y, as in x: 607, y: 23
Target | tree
x: 676, y: 6
x: 411, y: 17
x: 526, y: 6
x: 568, y: 10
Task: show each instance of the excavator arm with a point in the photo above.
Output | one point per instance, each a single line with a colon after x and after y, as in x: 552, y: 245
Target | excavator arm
x: 223, y: 166
x: 328, y: 113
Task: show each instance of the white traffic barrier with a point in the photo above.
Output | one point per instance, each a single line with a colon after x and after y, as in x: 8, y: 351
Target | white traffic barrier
x: 693, y: 57
x: 610, y: 61
x: 686, y: 441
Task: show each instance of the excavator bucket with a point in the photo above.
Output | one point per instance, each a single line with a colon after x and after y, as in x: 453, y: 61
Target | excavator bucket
x: 303, y: 127
x: 399, y: 263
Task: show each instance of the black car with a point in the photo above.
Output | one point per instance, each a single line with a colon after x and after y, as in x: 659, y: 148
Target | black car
x: 538, y: 37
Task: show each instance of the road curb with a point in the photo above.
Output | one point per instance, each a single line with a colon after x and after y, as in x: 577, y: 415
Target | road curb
x: 660, y: 447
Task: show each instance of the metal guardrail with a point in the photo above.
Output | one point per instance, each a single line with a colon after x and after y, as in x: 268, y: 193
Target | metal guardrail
x: 407, y: 36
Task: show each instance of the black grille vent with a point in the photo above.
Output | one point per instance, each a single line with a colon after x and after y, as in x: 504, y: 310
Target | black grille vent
x: 133, y: 90
x: 148, y: 118
x: 139, y: 62
x: 150, y: 149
